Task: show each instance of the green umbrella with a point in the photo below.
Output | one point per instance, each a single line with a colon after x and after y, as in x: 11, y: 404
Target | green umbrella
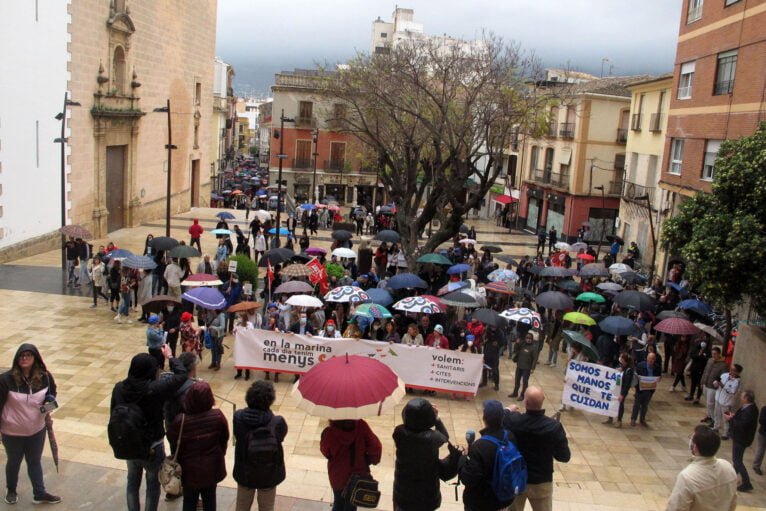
x: 372, y: 310
x: 587, y: 347
x: 590, y: 297
x: 434, y: 259
x: 579, y: 318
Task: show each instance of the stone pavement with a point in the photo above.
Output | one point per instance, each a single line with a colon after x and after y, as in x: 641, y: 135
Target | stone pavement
x: 87, y: 352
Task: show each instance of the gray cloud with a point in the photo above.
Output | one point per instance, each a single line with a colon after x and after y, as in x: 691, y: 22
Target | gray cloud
x: 262, y: 38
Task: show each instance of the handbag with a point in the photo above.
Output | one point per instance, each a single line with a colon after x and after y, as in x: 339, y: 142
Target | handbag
x: 170, y: 470
x: 361, y: 489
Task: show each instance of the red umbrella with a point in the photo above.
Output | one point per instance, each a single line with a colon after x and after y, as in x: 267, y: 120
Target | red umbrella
x: 437, y: 301
x: 348, y: 388
x: 676, y: 326
x: 499, y: 287
x: 202, y: 279
x: 586, y: 257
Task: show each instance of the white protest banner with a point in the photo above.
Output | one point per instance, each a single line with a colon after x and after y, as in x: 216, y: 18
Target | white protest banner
x: 592, y: 388
x: 648, y: 382
x: 418, y: 366
x: 233, y: 266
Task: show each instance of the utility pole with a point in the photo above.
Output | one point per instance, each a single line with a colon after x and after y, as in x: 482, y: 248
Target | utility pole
x: 315, y: 155
x: 281, y: 156
x: 61, y: 116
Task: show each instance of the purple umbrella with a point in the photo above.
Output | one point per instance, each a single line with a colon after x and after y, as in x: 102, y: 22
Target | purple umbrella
x: 206, y: 298
x: 316, y: 251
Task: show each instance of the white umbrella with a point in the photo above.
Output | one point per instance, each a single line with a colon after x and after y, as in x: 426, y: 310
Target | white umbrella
x: 712, y: 332
x: 576, y: 247
x: 304, y: 301
x: 468, y: 241
x: 562, y: 245
x: 620, y: 268
x: 262, y: 215
x: 344, y: 294
x: 346, y: 253
x: 609, y: 286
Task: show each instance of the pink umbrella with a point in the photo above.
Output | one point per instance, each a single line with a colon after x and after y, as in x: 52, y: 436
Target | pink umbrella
x: 348, y: 388
x: 202, y: 279
x: 676, y: 326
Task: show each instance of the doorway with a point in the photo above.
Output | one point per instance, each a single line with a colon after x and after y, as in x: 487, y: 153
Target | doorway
x: 195, y: 183
x: 115, y: 186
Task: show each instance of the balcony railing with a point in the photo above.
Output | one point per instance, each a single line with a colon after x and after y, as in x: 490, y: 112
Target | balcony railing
x: 635, y: 122
x: 334, y: 165
x: 631, y: 191
x: 302, y: 163
x: 368, y: 169
x: 655, y: 122
x: 614, y: 188
x: 723, y: 87
x: 542, y: 176
x: 566, y: 130
x: 305, y: 122
x: 551, y: 130
x: 622, y: 135
x: 560, y: 179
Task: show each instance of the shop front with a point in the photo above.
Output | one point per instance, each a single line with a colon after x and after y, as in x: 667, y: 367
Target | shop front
x: 534, y: 205
x: 556, y: 212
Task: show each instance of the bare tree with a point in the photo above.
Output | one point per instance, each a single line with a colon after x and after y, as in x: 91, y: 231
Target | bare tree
x: 432, y: 111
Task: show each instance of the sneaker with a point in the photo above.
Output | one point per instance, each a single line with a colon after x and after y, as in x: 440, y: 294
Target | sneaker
x: 11, y: 497
x: 745, y: 487
x: 169, y: 497
x: 117, y: 317
x: 672, y: 388
x: 93, y: 306
x: 46, y: 498
x: 618, y: 424
x: 129, y: 321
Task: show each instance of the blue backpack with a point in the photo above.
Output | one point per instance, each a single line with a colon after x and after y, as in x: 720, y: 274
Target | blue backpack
x: 509, y: 478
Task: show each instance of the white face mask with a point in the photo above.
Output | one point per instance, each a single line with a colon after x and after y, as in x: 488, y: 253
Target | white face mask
x: 303, y: 321
x: 170, y: 308
x: 330, y: 329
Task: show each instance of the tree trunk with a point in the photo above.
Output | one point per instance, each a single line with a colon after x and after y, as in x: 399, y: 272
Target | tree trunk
x: 727, y: 333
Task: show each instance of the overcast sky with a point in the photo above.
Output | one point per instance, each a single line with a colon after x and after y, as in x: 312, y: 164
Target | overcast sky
x: 260, y: 38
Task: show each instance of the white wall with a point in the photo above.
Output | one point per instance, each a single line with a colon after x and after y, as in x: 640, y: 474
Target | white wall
x: 33, y: 79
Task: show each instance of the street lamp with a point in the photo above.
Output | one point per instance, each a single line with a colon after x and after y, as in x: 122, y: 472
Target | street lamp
x: 315, y: 155
x: 61, y: 116
x: 603, y: 209
x: 654, y: 237
x: 281, y: 156
x: 169, y: 146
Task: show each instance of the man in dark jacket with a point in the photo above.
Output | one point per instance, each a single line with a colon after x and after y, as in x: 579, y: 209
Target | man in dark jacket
x: 540, y: 440
x: 418, y: 467
x: 493, y: 340
x: 651, y: 368
x: 142, y: 387
x: 743, y: 426
x: 525, y: 356
x: 253, y: 476
x: 476, y: 468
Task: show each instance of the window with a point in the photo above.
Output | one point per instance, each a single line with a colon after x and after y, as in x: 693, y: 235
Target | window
x: 635, y: 124
x: 730, y: 2
x: 686, y: 81
x: 534, y: 156
x: 305, y: 109
x: 339, y: 111
x: 198, y: 93
x: 676, y: 155
x: 695, y: 11
x: 337, y: 155
x: 724, y: 75
x: 119, y: 72
x: 655, y: 122
x: 383, y: 35
x: 302, y: 154
x: 711, y: 153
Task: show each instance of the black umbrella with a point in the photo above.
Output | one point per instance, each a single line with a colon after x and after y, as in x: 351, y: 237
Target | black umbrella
x: 159, y: 302
x: 464, y: 229
x: 301, y: 258
x: 594, y: 270
x: 635, y: 300
x: 494, y: 249
x: 184, y: 251
x: 276, y: 256
x: 672, y: 314
x: 619, y: 325
x: 489, y: 317
x: 570, y: 286
x: 554, y: 300
x: 614, y: 238
x: 507, y: 259
x: 535, y: 269
x: 388, y: 236
x: 557, y: 271
x: 459, y: 299
x: 406, y: 281
x: 630, y: 277
x: 522, y: 291
x: 342, y: 235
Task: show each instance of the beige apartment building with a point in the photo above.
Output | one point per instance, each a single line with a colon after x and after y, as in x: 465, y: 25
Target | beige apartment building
x: 574, y: 173
x: 640, y: 203
x: 128, y: 58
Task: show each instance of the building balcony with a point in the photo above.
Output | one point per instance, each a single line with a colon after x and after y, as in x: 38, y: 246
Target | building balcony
x: 560, y: 180
x: 566, y: 130
x: 306, y: 122
x: 115, y: 105
x: 630, y: 191
x: 622, y: 135
x: 368, y: 169
x: 614, y: 188
x: 334, y: 165
x: 302, y: 163
x: 655, y: 122
x: 541, y: 176
x: 551, y: 130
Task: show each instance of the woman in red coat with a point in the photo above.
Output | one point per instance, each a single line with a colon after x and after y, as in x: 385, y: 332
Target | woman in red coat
x: 203, y: 446
x: 343, y: 461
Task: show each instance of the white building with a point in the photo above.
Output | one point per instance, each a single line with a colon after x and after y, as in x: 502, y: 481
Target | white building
x: 33, y: 80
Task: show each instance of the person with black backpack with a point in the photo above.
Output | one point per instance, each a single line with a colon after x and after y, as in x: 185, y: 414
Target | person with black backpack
x: 493, y: 471
x: 136, y: 430
x: 259, y: 459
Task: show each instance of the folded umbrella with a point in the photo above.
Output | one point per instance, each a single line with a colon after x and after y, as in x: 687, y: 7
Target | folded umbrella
x: 388, y: 236
x: 348, y: 387
x: 52, y: 439
x: 347, y: 294
x: 554, y: 300
x: 184, y: 251
x: 619, y: 325
x: 380, y: 296
x: 294, y: 286
x: 139, y: 262
x: 206, y: 298
x: 406, y: 281
x: 587, y: 347
x: 163, y: 243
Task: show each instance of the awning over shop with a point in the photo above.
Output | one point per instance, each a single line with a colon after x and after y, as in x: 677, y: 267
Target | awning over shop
x: 505, y: 199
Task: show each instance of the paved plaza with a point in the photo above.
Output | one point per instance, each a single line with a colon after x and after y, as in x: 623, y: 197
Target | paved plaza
x: 87, y: 352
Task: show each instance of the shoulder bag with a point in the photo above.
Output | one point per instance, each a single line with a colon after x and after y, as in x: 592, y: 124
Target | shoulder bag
x: 361, y: 489
x: 170, y: 470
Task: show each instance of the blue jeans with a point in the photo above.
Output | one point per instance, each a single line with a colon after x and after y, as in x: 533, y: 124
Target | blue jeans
x: 31, y: 449
x: 341, y: 504
x: 124, y: 309
x: 152, y: 467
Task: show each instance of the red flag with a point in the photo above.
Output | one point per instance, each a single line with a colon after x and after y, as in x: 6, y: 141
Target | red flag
x: 269, y: 272
x: 318, y: 275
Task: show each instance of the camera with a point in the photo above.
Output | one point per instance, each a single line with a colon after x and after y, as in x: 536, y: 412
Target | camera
x: 49, y: 406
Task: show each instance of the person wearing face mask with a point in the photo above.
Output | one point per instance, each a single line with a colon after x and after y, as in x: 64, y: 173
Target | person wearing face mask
x: 707, y: 482
x: 303, y: 326
x: 171, y: 321
x: 698, y: 355
x: 330, y: 330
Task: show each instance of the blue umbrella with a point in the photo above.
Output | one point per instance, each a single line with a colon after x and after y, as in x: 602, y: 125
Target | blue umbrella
x: 282, y: 231
x: 380, y: 296
x: 458, y: 268
x: 119, y: 253
x: 206, y: 298
x: 695, y: 305
x: 619, y: 325
x: 308, y: 207
x: 406, y: 280
x: 225, y: 215
x: 139, y: 262
x: 222, y: 231
x: 261, y: 192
